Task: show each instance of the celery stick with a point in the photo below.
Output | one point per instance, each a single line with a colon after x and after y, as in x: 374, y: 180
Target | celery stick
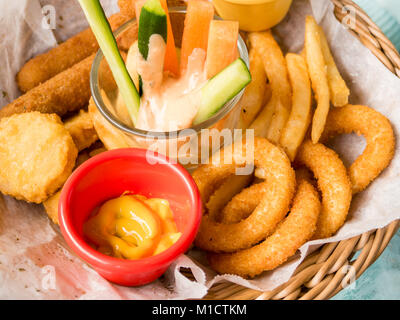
x: 102, y: 30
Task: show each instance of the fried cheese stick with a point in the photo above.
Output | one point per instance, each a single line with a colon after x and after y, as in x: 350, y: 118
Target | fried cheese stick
x: 68, y: 91
x: 127, y: 7
x: 45, y: 66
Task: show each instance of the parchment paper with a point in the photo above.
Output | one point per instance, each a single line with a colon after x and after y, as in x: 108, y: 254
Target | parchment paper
x: 36, y: 263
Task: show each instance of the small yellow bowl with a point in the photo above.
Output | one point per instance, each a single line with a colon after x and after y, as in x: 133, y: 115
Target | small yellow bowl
x: 253, y: 15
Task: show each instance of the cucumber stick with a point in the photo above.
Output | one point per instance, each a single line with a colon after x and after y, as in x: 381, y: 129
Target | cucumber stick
x: 153, y: 20
x: 103, y: 33
x: 222, y: 88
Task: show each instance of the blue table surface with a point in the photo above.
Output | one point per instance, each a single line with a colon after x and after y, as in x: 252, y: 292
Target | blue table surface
x: 381, y: 281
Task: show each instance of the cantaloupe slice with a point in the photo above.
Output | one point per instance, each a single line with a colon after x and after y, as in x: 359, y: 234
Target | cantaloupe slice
x: 138, y: 8
x: 222, y: 46
x: 199, y: 15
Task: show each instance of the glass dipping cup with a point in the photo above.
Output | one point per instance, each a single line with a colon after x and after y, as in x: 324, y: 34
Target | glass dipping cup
x: 189, y: 147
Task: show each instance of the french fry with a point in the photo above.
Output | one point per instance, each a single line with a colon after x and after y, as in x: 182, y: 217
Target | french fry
x: 318, y: 76
x: 261, y: 124
x: 337, y: 86
x: 300, y: 116
x: 267, y: 94
x: 276, y: 70
x: 253, y: 96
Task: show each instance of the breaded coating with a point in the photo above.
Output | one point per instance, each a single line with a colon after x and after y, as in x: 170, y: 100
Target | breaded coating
x: 243, y: 204
x: 45, y: 66
x: 222, y: 196
x: 51, y: 207
x: 274, y: 168
x: 333, y: 182
x: 291, y: 234
x: 37, y: 155
x: 66, y: 92
x: 128, y: 37
x: 127, y: 7
x: 378, y: 133
x: 82, y: 130
x: 111, y: 137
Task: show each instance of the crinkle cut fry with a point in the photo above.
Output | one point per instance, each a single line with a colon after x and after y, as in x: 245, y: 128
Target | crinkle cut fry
x: 333, y: 183
x: 274, y: 167
x: 297, y: 228
x: 378, y: 132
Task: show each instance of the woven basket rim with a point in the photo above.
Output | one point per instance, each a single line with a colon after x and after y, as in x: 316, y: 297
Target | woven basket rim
x: 328, y: 270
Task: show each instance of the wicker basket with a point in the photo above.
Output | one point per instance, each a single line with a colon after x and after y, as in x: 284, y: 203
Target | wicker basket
x: 324, y: 273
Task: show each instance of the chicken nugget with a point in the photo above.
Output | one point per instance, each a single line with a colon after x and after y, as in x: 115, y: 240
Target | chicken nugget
x: 82, y: 130
x: 37, y: 155
x: 45, y: 66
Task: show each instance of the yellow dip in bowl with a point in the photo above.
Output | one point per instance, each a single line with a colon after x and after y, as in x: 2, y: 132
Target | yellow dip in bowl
x: 253, y: 15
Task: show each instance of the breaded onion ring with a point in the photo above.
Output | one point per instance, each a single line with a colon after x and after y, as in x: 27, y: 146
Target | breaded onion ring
x: 378, y: 133
x: 333, y: 183
x: 242, y: 204
x: 232, y: 186
x: 290, y: 235
x: 273, y: 166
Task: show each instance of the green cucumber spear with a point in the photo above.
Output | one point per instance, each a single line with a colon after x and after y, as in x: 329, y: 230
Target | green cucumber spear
x: 103, y: 33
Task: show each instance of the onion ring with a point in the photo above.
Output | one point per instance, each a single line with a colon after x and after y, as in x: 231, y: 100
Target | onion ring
x: 291, y: 234
x: 242, y: 204
x: 333, y: 182
x: 378, y: 132
x: 273, y: 166
x: 232, y: 186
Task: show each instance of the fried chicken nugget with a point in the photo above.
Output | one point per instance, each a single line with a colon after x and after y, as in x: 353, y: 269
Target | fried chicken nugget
x: 272, y: 166
x: 37, y: 155
x: 333, y: 183
x: 295, y: 230
x: 82, y: 130
x: 45, y: 66
x: 378, y: 132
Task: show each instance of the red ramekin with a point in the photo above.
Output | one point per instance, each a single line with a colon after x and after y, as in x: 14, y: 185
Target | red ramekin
x: 109, y: 175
